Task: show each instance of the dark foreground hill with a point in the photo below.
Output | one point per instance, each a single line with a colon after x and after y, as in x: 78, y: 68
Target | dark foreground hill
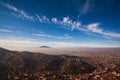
x: 13, y: 63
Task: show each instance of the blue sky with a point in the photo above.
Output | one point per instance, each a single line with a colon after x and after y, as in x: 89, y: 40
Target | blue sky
x: 60, y: 23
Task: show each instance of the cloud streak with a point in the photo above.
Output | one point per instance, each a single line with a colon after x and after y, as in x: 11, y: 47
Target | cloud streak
x: 96, y: 29
x: 56, y: 37
x: 84, y: 9
x: 66, y: 21
x: 42, y: 19
x: 5, y: 30
x: 18, y: 12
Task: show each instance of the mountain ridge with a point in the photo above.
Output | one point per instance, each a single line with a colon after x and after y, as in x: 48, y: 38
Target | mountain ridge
x: 36, y: 61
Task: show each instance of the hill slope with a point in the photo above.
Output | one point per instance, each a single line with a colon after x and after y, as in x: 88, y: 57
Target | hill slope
x: 17, y: 63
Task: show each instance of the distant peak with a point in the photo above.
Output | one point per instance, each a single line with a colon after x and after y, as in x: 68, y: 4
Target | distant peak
x: 45, y: 47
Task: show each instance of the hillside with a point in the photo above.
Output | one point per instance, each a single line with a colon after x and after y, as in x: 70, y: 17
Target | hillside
x: 16, y: 63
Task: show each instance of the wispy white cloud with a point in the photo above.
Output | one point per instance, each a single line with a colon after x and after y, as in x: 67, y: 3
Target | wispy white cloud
x: 42, y: 19
x: 5, y: 30
x: 18, y: 12
x: 84, y: 9
x: 54, y: 20
x: 9, y: 30
x: 64, y: 21
x: 38, y: 18
x: 52, y: 36
x: 67, y: 22
x: 112, y: 34
x: 96, y: 29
